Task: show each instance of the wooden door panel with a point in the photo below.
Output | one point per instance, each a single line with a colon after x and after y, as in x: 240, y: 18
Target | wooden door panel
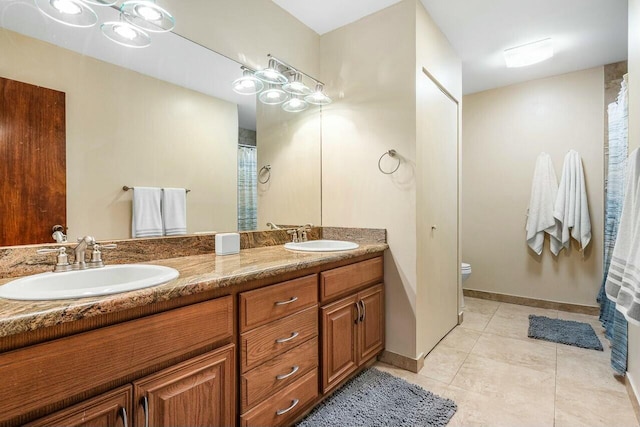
x: 198, y: 392
x: 339, y: 334
x: 33, y: 168
x: 371, y: 332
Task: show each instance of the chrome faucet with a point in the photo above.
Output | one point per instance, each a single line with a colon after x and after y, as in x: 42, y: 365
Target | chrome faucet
x: 273, y: 226
x: 80, y: 250
x: 302, y: 232
x: 294, y: 235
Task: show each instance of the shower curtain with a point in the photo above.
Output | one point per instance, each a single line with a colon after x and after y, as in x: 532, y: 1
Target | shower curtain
x: 247, y: 189
x: 612, y: 320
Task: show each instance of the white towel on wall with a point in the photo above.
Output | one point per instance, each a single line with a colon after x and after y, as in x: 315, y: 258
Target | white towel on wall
x: 174, y: 211
x: 146, y: 216
x: 572, y: 206
x: 623, y: 280
x: 540, y: 217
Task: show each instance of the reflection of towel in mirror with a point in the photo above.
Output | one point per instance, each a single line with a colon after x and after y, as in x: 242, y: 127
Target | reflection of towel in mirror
x: 623, y: 280
x: 571, y: 207
x: 147, y: 215
x: 174, y: 211
x: 540, y: 214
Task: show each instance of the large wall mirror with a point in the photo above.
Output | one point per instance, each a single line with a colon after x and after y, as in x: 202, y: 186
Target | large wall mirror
x: 161, y: 116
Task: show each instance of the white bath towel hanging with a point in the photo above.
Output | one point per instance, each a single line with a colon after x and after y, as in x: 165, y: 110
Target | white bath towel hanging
x: 540, y: 218
x: 572, y: 206
x: 623, y: 280
x: 174, y: 211
x: 146, y: 218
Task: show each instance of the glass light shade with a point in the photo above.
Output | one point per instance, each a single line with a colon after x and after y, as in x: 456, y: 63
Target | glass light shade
x: 295, y: 105
x: 125, y: 34
x: 296, y: 87
x: 318, y: 97
x: 147, y: 15
x: 69, y: 12
x: 101, y: 2
x: 248, y: 84
x: 271, y: 74
x: 529, y: 54
x: 273, y: 96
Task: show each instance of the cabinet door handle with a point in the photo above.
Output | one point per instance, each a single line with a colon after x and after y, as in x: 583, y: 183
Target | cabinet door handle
x: 293, y: 299
x: 364, y: 310
x: 145, y: 408
x: 123, y: 414
x: 281, y: 340
x: 359, y: 312
x: 284, y: 411
x: 285, y: 376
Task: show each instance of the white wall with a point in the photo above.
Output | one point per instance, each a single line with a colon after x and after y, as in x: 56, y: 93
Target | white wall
x: 504, y: 130
x: 633, y: 368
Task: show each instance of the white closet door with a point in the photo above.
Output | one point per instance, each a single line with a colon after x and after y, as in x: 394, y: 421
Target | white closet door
x: 438, y: 267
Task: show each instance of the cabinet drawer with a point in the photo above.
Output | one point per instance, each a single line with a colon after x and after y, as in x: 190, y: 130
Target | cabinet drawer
x: 277, y: 301
x: 344, y: 280
x: 296, y: 397
x: 265, y: 342
x: 278, y: 373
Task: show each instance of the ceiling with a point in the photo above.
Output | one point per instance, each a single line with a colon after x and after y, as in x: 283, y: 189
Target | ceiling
x: 586, y: 33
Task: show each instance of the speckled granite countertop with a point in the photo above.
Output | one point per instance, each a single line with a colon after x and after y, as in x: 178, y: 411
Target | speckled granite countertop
x: 198, y: 273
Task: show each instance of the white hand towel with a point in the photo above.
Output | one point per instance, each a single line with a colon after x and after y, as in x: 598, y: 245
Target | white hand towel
x: 540, y: 214
x: 623, y: 280
x: 572, y: 206
x: 147, y: 214
x: 174, y: 211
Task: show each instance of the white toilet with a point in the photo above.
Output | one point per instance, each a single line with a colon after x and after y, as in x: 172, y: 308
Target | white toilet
x: 465, y: 269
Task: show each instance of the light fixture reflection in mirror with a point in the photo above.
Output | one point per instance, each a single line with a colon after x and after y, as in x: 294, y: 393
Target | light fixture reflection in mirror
x: 273, y: 96
x: 147, y: 15
x: 68, y: 12
x: 296, y: 87
x: 295, y: 105
x: 271, y: 74
x: 248, y: 84
x: 125, y: 34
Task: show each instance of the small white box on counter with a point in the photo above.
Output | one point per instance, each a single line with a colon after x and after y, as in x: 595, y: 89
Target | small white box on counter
x: 227, y: 243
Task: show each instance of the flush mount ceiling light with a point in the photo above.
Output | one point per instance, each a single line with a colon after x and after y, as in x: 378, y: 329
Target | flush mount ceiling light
x: 271, y: 74
x: 295, y: 86
x: 318, y: 97
x: 248, y: 84
x: 529, y: 54
x: 273, y: 96
x: 147, y: 15
x: 74, y: 13
x: 125, y: 34
x: 295, y: 105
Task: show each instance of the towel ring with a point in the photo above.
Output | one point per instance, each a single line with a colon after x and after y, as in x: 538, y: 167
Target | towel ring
x: 267, y: 169
x: 392, y: 154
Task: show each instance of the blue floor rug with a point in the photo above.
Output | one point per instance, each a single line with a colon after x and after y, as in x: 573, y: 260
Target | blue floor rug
x: 568, y: 332
x: 378, y: 399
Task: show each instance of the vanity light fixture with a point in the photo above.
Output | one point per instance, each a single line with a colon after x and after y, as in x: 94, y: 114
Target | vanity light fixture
x: 295, y: 85
x: 271, y: 74
x: 248, y: 84
x: 318, y: 97
x: 125, y: 34
x: 273, y: 96
x: 295, y: 105
x: 147, y: 15
x: 74, y: 13
x: 529, y: 54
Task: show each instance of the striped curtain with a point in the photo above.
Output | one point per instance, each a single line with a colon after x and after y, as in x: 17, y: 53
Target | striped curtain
x: 612, y: 320
x: 247, y: 189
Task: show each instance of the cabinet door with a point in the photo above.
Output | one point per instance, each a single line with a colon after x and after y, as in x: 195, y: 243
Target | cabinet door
x: 371, y: 328
x: 111, y: 409
x: 198, y: 392
x: 339, y: 334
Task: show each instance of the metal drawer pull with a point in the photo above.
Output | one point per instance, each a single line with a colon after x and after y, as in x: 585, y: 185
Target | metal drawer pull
x: 293, y: 299
x: 123, y: 414
x: 364, y: 310
x: 285, y: 376
x: 359, y: 312
x: 284, y: 411
x: 293, y: 335
x: 145, y: 407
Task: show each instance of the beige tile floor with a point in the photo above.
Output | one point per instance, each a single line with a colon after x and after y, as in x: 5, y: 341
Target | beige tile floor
x: 499, y: 377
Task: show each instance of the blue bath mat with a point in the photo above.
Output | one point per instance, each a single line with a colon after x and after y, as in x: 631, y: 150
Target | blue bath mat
x: 378, y: 399
x: 578, y: 334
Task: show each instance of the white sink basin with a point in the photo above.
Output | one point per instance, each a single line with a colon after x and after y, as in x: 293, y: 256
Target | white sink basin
x: 111, y: 279
x: 322, y: 246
